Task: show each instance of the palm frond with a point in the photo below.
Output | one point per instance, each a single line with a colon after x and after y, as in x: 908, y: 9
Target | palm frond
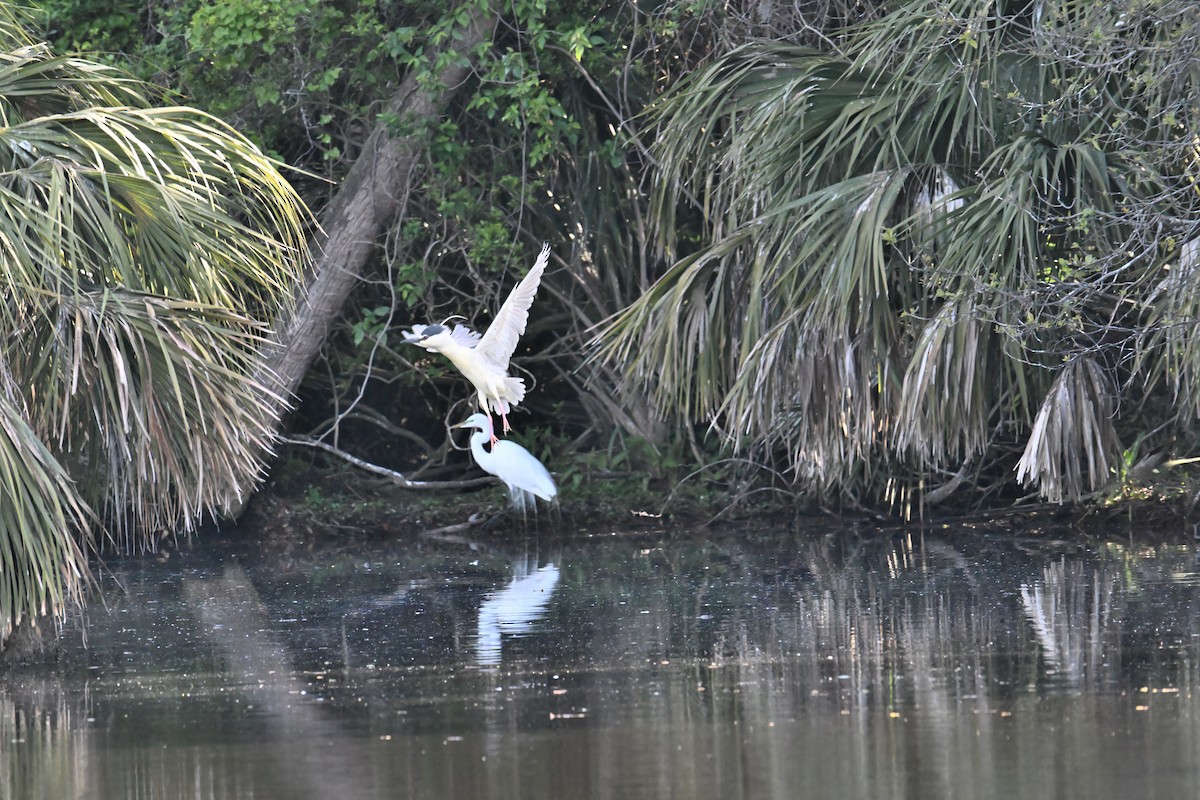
x: 43, y: 568
x: 813, y: 394
x: 1169, y: 347
x: 36, y: 83
x: 978, y: 191
x: 944, y: 400
x: 1073, y: 445
x: 142, y: 250
x: 681, y: 315
x: 152, y: 398
x: 151, y: 200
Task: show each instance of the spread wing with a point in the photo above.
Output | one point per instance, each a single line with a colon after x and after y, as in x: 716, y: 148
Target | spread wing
x: 498, y: 344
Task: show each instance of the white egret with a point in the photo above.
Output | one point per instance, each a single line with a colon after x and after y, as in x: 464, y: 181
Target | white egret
x: 484, y: 359
x: 514, y: 610
x: 521, y: 472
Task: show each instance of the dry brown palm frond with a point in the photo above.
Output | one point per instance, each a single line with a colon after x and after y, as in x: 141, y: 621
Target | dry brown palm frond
x: 943, y: 407
x: 1073, y: 445
x: 815, y: 392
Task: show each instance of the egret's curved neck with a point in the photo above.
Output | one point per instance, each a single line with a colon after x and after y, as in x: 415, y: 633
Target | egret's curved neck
x: 478, y: 440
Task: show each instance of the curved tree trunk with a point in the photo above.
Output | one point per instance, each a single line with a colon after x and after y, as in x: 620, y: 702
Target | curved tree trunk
x: 363, y: 208
x: 359, y: 215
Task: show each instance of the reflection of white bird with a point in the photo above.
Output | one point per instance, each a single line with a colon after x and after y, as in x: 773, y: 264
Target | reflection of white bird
x: 521, y: 472
x: 514, y: 609
x: 484, y: 359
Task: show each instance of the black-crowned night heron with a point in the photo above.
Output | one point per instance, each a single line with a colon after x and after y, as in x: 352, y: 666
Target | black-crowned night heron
x: 484, y: 359
x: 520, y: 470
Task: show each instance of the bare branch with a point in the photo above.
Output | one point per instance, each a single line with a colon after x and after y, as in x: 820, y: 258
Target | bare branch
x: 397, y: 477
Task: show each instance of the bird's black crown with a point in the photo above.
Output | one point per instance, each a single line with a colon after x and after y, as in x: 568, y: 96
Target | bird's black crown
x: 432, y: 330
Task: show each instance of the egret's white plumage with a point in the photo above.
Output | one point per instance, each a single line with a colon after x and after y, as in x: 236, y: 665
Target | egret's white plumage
x: 484, y: 359
x: 521, y: 472
x: 513, y: 610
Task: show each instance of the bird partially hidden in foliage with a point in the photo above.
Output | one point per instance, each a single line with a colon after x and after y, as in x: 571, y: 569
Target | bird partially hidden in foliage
x: 484, y: 359
x: 525, y: 476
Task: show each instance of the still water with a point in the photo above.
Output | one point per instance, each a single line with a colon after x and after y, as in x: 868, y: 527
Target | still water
x: 804, y: 664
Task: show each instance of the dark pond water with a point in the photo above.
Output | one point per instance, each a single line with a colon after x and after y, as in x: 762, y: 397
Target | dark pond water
x: 949, y: 664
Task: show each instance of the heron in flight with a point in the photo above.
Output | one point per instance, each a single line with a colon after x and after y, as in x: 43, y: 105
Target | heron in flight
x: 525, y: 476
x: 484, y: 359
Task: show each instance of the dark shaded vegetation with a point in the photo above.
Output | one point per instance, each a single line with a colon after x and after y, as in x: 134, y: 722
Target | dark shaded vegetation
x: 946, y: 267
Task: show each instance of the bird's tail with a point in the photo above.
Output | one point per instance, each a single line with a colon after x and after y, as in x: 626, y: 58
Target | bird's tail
x: 514, y: 393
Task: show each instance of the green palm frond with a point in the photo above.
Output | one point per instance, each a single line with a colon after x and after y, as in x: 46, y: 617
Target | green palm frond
x: 143, y: 251
x: 150, y: 200
x: 818, y: 262
x: 36, y: 83
x: 15, y: 24
x: 43, y: 568
x: 684, y: 312
x: 153, y: 397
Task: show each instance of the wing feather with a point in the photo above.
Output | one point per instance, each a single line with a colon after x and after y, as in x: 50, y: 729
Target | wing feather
x: 465, y: 336
x: 415, y: 333
x: 500, y: 340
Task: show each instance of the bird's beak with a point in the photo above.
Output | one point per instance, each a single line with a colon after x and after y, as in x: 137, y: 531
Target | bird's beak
x: 459, y: 425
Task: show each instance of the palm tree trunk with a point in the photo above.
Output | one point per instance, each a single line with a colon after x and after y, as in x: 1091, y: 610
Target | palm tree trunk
x: 363, y: 208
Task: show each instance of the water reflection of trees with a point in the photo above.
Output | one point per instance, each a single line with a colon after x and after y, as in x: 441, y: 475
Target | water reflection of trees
x: 867, y: 616
x: 733, y: 667
x: 947, y: 659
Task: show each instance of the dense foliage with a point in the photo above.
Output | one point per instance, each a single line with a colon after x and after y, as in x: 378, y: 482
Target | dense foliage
x: 883, y: 250
x: 540, y: 147
x: 958, y: 241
